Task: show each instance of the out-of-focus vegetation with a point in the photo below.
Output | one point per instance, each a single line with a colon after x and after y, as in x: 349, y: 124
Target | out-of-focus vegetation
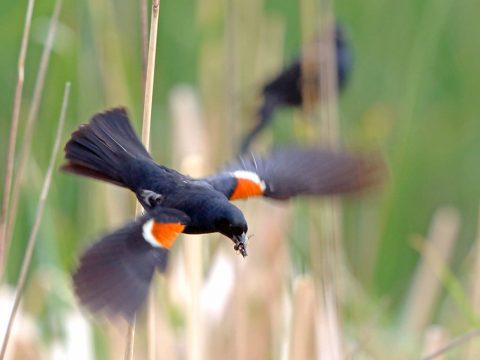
x: 413, y: 95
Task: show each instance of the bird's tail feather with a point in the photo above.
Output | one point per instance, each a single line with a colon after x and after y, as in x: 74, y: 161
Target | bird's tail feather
x: 102, y: 148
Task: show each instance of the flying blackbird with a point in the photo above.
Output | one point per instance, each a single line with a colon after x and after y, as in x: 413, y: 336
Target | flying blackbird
x: 286, y: 88
x: 115, y: 273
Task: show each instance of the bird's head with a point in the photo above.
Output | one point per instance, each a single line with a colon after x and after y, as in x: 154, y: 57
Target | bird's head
x: 232, y: 224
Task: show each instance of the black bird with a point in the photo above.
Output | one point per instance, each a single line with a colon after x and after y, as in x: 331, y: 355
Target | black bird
x: 286, y: 88
x: 115, y: 273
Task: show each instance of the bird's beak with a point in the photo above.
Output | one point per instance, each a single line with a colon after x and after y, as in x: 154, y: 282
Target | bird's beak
x: 241, y: 243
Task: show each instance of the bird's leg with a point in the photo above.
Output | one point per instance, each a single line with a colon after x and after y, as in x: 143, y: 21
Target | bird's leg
x: 150, y: 198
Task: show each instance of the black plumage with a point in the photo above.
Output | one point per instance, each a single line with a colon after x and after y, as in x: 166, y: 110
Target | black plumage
x: 115, y: 273
x: 286, y: 89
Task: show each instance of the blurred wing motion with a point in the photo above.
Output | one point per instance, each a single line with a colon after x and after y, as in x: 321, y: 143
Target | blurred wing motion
x: 114, y: 275
x: 286, y: 88
x: 296, y: 171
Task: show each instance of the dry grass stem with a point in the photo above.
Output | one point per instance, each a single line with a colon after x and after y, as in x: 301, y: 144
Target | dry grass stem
x: 147, y: 114
x: 325, y: 242
x: 310, y: 56
x: 151, y: 313
x: 426, y: 284
x: 144, y: 37
x: 151, y: 322
x: 328, y: 78
x: 130, y: 344
x: 453, y: 344
x: 13, y: 131
x: 31, y: 121
x: 152, y: 50
x: 329, y: 339
x: 474, y: 346
x: 230, y: 75
x: 435, y: 338
x: 36, y: 225
x: 302, y: 338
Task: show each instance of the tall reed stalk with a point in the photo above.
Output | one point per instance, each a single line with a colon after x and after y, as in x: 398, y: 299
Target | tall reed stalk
x: 474, y: 347
x: 147, y: 114
x: 426, y: 283
x: 36, y: 225
x: 144, y: 39
x: 325, y: 240
x: 230, y: 77
x: 31, y: 122
x: 12, y: 140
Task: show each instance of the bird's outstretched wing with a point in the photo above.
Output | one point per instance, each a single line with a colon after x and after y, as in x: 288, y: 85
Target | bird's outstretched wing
x: 115, y: 273
x: 298, y: 171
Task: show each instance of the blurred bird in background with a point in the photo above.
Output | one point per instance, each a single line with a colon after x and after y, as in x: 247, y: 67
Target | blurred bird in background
x: 286, y: 89
x: 114, y: 275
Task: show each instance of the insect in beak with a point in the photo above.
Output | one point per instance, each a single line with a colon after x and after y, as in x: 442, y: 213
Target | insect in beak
x: 240, y: 243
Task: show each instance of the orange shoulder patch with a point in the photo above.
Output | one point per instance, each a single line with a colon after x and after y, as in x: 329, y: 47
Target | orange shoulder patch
x: 248, y: 185
x: 162, y: 235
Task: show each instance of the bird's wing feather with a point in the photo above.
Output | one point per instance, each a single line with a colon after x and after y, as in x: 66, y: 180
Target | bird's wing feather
x: 115, y: 273
x: 298, y: 171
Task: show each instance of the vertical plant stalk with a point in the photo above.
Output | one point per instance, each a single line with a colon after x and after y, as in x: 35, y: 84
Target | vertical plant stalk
x: 474, y: 347
x: 147, y: 115
x: 325, y: 241
x: 151, y: 313
x: 151, y: 322
x: 31, y: 121
x: 435, y: 338
x: 191, y: 151
x: 17, y: 101
x: 301, y: 342
x: 330, y: 346
x: 144, y: 37
x: 152, y: 50
x: 36, y: 225
x: 328, y: 78
x: 130, y: 343
x: 230, y: 76
x: 426, y: 285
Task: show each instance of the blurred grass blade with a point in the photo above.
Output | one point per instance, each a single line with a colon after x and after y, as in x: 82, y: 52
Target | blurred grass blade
x: 130, y: 343
x: 144, y: 37
x: 13, y: 132
x: 454, y: 343
x: 425, y: 287
x: 329, y: 339
x: 302, y: 339
x: 31, y: 121
x: 36, y: 225
x: 230, y: 76
x: 474, y: 346
x: 327, y: 83
x: 435, y: 338
x: 191, y: 148
x: 325, y: 242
